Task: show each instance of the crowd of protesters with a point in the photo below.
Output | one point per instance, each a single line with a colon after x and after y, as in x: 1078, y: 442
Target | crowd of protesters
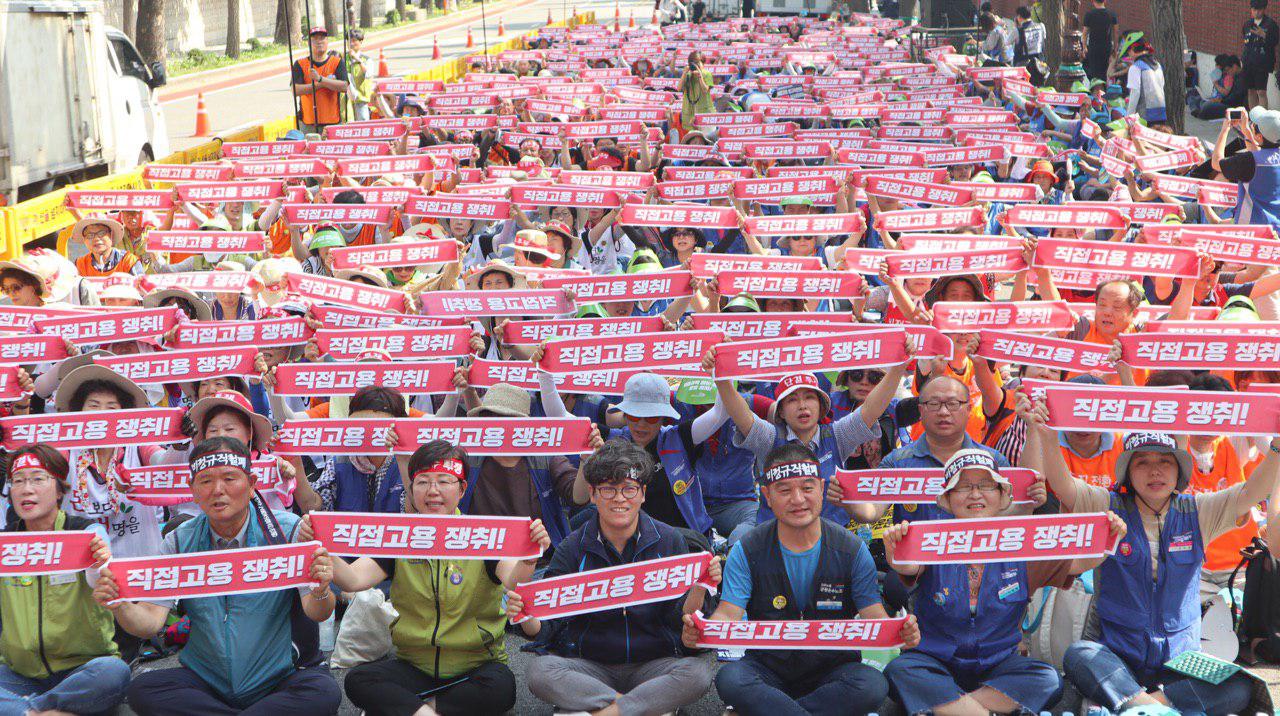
x: 899, y: 266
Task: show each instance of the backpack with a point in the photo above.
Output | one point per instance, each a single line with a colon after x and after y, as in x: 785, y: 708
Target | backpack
x: 1260, y: 613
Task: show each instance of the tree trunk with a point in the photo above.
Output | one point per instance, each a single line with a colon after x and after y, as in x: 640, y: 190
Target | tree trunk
x: 152, y: 38
x: 401, y: 7
x: 130, y: 18
x: 1055, y: 26
x: 909, y: 8
x: 366, y: 13
x: 233, y: 28
x: 288, y: 23
x: 1167, y: 38
x: 332, y: 18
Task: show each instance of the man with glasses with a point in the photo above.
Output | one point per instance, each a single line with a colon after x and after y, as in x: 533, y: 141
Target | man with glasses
x: 620, y: 661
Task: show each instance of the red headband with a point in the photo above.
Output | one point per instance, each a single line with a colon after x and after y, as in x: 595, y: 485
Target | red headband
x: 448, y: 466
x: 28, y: 461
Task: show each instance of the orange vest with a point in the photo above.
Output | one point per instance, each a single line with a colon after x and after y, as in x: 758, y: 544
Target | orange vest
x: 281, y: 243
x: 1099, y: 470
x: 976, y: 425
x: 327, y: 98
x: 366, y: 237
x: 1139, y: 374
x: 1223, y: 553
x: 84, y: 264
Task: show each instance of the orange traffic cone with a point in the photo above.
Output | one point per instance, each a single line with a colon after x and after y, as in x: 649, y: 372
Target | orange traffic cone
x: 549, y: 18
x: 382, y: 64
x: 502, y: 29
x: 202, y: 117
x: 471, y: 41
x: 654, y: 20
x: 435, y: 48
x: 631, y: 21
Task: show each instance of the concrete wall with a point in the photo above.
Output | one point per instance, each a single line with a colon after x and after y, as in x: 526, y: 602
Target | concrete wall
x: 202, y: 24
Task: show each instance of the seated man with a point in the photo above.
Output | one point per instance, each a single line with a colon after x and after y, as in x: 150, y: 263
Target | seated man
x: 240, y: 657
x: 1148, y: 601
x: 449, y: 638
x: 620, y: 661
x: 971, y: 614
x: 799, y: 566
x: 56, y: 643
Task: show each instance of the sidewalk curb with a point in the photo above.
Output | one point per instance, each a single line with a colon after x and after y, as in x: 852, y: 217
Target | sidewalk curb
x: 262, y: 68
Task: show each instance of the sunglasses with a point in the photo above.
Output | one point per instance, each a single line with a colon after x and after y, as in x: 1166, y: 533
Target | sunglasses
x: 858, y: 375
x: 654, y: 420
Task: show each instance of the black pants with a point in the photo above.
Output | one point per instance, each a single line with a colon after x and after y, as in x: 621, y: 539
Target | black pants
x: 394, y: 687
x: 178, y: 692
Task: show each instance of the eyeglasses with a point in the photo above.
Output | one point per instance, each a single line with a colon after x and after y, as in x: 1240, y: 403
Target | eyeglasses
x: 608, y: 492
x: 9, y: 289
x: 437, y: 484
x: 986, y: 488
x: 100, y: 234
x: 652, y: 420
x: 937, y: 406
x: 857, y: 375
x: 37, y: 481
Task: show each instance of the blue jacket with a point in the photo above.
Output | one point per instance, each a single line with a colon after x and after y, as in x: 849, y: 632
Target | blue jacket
x: 629, y: 635
x: 686, y: 484
x: 970, y: 644
x: 1145, y: 622
x: 1259, y: 199
x: 352, y: 494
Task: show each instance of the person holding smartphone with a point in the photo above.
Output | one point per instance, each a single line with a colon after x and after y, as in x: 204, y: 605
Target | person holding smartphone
x: 695, y: 84
x: 1257, y: 168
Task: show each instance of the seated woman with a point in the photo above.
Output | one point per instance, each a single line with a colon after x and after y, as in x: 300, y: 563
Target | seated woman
x: 451, y: 632
x: 56, y: 643
x: 968, y: 660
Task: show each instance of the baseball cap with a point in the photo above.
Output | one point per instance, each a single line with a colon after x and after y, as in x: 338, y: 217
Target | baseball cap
x: 802, y: 381
x: 971, y: 459
x: 1267, y: 121
x: 592, y: 310
x: 742, y: 303
x: 318, y: 30
x: 647, y: 395
x: 326, y: 238
x: 1153, y: 442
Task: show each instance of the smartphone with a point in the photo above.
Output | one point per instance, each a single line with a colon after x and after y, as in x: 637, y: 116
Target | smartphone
x: 1234, y: 113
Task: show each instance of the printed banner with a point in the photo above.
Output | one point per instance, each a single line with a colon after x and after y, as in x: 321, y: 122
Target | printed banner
x: 930, y: 219
x: 414, y: 536
x: 578, y: 197
x: 880, y: 158
x: 110, y: 326
x: 1116, y: 257
x: 843, y: 634
x: 926, y: 340
x: 1006, y: 539
x: 32, y: 348
x: 417, y: 253
x: 794, y: 284
x: 347, y: 293
x: 1241, y: 249
x: 479, y: 436
x: 813, y: 353
x: 1001, y: 192
x: 1065, y: 217
x: 1031, y: 316
x: 918, y: 192
x: 916, y: 486
x: 597, y: 590
x: 310, y: 214
x: 168, y: 485
x: 266, y: 333
x: 183, y: 366
x: 458, y: 206
x: 957, y: 263
x: 1194, y: 412
x: 397, y: 342
x: 630, y: 287
x: 1231, y: 328
x: 297, y: 168
x: 242, y: 150
x: 609, y: 180
x: 647, y: 351
x: 705, y: 265
x: 530, y: 333
x: 974, y: 154
x: 804, y: 225
x: 1188, y: 351
x: 215, y: 574
x: 736, y: 326
x: 523, y: 374
x: 1044, y: 351
x: 30, y: 554
x: 525, y: 302
x: 207, y: 242
x: 120, y: 200
x: 95, y: 428
x: 380, y: 166
x: 945, y: 243
x: 348, y: 317
x: 187, y: 172
x: 667, y: 215
x: 408, y: 377
x: 771, y: 190
x: 22, y: 318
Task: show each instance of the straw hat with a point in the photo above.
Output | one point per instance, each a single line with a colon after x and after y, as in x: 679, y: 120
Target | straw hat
x: 85, y: 373
x: 117, y: 229
x: 260, y: 425
x: 56, y: 276
x: 369, y: 273
x: 503, y: 399
x: 201, y: 307
x: 518, y: 281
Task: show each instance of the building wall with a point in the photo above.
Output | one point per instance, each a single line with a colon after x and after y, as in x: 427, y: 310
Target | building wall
x: 1212, y: 26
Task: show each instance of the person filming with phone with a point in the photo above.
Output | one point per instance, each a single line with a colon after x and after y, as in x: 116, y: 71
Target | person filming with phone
x: 1257, y: 168
x: 695, y: 84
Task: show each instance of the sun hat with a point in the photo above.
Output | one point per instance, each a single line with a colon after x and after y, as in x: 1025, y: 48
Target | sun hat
x: 120, y: 291
x: 503, y: 399
x: 198, y: 305
x: 76, y: 378
x: 260, y: 425
x: 742, y: 303
x: 373, y: 275
x: 425, y: 231
x: 1267, y: 121
x: 801, y: 381
x: 326, y: 237
x: 647, y: 395
x: 934, y: 294
x: 971, y: 459
x: 1042, y: 167
x: 473, y: 279
x: 573, y: 242
x: 591, y: 310
x: 54, y: 273
x: 534, y: 241
x: 1153, y: 442
x: 116, y: 228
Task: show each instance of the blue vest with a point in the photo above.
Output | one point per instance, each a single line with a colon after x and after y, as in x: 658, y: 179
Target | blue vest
x: 725, y: 471
x: 241, y: 645
x: 772, y: 599
x: 685, y: 485
x: 351, y: 489
x: 260, y: 402
x: 553, y: 517
x: 970, y: 644
x: 1147, y: 623
x: 828, y: 461
x: 1259, y: 199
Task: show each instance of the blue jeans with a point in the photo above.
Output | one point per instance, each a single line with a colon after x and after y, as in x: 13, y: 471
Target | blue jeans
x: 732, y: 519
x: 921, y: 683
x: 1101, y: 676
x: 94, y: 687
x: 753, y: 689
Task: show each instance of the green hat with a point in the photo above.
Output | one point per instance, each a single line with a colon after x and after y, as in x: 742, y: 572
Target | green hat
x: 1115, y: 126
x: 1239, y: 308
x: 1129, y: 40
x: 327, y: 237
x: 696, y: 391
x: 796, y: 201
x: 592, y: 310
x: 982, y: 177
x: 644, y: 261
x: 1097, y: 83
x: 1079, y: 86
x: 742, y: 303
x: 216, y: 223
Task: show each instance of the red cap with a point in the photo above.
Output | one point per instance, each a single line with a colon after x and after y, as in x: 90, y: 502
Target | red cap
x: 318, y: 30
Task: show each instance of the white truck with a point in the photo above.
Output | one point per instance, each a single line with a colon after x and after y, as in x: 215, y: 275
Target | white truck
x: 76, y: 99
